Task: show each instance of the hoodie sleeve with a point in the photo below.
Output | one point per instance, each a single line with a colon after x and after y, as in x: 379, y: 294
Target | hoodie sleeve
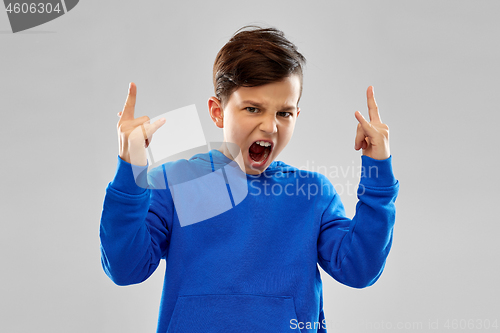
x: 134, y: 228
x: 354, y: 251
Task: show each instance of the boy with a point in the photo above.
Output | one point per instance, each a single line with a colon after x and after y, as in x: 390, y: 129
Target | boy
x: 253, y: 267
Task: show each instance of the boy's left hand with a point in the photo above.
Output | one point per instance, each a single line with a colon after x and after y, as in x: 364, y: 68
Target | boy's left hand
x: 373, y: 136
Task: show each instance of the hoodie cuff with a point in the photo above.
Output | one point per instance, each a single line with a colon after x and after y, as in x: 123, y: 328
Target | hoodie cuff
x: 130, y: 178
x: 377, y: 173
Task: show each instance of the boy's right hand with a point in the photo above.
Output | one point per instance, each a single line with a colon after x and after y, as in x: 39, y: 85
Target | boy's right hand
x: 134, y: 135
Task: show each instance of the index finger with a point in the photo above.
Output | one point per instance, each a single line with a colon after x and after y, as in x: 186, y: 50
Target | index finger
x: 372, y: 105
x: 129, y: 108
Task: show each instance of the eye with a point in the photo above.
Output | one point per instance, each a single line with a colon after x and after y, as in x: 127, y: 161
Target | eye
x: 251, y: 109
x: 285, y: 114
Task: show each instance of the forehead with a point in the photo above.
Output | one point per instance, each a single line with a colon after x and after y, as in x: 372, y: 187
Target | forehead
x: 285, y: 92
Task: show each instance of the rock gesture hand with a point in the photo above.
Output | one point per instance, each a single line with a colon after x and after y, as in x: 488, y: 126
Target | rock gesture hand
x: 373, y: 136
x: 135, y: 134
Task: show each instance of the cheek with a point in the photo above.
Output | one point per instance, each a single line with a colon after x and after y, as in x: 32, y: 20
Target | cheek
x: 286, y: 134
x: 284, y: 138
x: 235, y: 135
x: 239, y: 129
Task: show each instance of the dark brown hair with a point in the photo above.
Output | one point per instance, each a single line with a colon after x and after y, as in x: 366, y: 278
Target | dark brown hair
x: 255, y: 56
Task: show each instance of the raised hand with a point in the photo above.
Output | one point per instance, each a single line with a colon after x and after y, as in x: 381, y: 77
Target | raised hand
x: 373, y: 136
x: 134, y: 135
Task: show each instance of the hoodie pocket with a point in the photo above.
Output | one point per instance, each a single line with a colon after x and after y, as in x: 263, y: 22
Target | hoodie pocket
x: 233, y: 313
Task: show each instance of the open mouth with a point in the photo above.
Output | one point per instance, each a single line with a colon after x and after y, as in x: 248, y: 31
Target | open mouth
x: 259, y: 151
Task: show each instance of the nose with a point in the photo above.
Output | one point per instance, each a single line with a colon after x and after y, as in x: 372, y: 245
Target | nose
x: 268, y: 124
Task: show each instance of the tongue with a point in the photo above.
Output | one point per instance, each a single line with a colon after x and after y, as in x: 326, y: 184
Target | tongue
x: 256, y: 149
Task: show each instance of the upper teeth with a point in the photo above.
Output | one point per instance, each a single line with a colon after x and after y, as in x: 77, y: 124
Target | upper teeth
x: 263, y: 143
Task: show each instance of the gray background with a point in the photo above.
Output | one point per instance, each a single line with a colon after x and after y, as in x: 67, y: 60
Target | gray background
x: 434, y: 66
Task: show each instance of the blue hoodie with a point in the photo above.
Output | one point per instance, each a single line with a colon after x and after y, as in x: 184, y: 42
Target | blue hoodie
x: 243, y: 250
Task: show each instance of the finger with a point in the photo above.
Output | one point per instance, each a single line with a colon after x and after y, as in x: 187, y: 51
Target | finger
x: 152, y: 128
x: 372, y: 106
x: 149, y: 129
x: 360, y: 138
x: 367, y: 127
x: 141, y: 120
x: 129, y: 108
x: 146, y: 137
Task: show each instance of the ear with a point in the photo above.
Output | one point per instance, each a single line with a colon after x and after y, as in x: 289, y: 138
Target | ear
x: 298, y: 111
x: 215, y: 110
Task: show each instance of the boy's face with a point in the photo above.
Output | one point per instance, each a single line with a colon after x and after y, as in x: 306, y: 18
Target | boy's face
x: 264, y: 113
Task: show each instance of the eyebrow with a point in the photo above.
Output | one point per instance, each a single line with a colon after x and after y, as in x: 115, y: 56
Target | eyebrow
x: 259, y: 105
